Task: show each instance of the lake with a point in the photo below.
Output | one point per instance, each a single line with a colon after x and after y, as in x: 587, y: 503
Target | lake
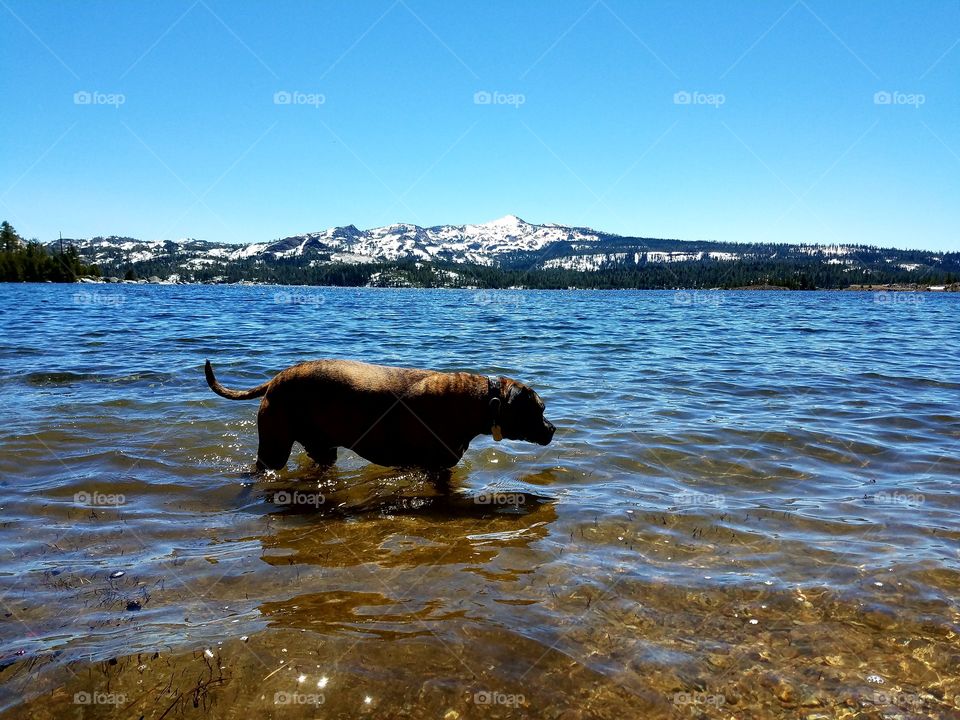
x: 749, y: 509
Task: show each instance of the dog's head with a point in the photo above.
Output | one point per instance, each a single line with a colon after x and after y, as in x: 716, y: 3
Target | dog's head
x: 518, y: 411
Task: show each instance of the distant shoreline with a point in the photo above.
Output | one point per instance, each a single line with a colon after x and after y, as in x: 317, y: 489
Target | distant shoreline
x: 892, y: 287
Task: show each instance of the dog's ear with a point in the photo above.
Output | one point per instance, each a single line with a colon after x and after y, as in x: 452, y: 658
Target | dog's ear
x: 514, y: 392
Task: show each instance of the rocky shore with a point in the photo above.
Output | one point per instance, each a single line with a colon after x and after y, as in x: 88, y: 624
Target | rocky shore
x: 906, y: 287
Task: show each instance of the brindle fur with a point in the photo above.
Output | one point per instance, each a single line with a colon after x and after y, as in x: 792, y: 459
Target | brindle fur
x: 398, y: 417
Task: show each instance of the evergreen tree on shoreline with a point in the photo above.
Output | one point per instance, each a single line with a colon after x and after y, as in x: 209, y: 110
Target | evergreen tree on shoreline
x: 22, y: 261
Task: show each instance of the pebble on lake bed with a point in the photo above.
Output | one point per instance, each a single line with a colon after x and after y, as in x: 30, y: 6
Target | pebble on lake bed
x: 117, y: 574
x: 134, y: 605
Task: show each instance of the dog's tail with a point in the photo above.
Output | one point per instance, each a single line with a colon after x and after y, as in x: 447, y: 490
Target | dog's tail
x: 232, y: 394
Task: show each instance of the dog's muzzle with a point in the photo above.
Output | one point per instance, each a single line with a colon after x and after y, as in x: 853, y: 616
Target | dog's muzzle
x: 547, y: 435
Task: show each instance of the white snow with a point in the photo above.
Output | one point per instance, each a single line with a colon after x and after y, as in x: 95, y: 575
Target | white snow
x: 656, y: 256
x: 585, y: 262
x: 247, y: 251
x: 824, y: 249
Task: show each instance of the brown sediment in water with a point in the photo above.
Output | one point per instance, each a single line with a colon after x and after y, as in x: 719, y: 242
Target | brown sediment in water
x: 407, y: 603
x: 650, y: 651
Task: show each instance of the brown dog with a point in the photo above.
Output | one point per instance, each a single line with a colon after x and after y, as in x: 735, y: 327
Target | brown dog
x: 390, y: 416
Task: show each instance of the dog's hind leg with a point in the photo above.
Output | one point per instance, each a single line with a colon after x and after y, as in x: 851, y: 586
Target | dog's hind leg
x: 276, y: 441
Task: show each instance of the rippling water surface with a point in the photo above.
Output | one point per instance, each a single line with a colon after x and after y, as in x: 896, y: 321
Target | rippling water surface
x: 749, y: 509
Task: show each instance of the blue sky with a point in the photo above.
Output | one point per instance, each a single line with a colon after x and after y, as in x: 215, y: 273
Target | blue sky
x: 740, y: 121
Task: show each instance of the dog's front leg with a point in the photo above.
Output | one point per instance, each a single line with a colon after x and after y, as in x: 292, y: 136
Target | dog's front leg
x: 320, y: 453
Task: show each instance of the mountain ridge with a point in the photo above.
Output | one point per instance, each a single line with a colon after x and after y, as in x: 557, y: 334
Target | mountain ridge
x: 507, y: 244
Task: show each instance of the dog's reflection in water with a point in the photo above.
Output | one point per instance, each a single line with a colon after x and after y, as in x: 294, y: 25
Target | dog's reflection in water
x: 395, y: 518
x: 329, y: 491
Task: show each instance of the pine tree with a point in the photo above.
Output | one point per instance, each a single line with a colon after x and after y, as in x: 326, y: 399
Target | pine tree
x: 9, y: 240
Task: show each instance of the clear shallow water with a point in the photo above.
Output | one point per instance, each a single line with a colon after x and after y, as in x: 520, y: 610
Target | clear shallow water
x: 749, y: 509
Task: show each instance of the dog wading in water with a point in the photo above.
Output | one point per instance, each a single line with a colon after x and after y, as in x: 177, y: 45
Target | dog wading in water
x: 397, y: 417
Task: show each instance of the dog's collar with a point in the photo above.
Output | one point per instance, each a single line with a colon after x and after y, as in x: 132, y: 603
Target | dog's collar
x: 494, y: 389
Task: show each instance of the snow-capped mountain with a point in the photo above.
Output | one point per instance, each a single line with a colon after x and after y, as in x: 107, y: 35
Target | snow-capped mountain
x: 508, y: 244
x: 479, y: 244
